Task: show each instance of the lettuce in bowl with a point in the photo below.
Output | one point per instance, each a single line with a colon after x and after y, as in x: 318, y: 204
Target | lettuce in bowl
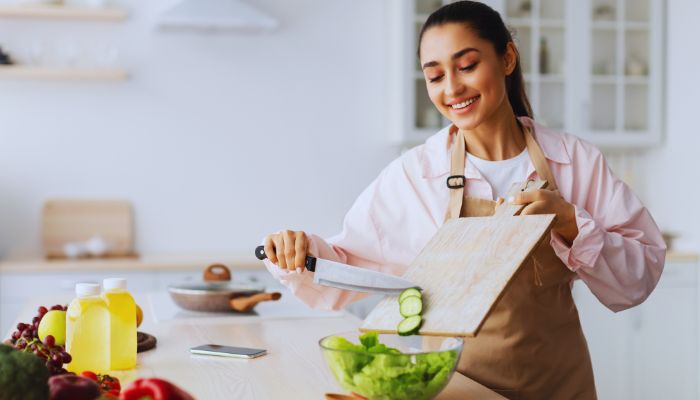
x: 399, y: 368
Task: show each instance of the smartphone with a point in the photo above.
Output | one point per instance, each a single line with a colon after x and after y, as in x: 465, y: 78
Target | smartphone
x: 227, y: 351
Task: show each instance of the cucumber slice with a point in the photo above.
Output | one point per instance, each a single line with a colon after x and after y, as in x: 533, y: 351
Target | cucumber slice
x: 411, y: 305
x: 409, y: 325
x: 409, y: 292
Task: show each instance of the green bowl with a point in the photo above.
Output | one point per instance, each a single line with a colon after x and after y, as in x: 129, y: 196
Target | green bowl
x: 415, y: 368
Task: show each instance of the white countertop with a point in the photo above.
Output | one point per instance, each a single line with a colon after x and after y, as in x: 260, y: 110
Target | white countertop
x: 292, y: 369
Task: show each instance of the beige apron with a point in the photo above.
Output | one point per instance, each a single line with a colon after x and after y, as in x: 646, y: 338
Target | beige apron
x: 531, y: 345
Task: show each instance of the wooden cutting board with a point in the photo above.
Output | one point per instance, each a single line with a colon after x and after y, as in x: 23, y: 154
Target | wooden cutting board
x: 465, y: 268
x: 73, y: 220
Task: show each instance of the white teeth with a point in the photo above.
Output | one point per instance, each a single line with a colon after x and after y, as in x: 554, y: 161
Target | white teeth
x: 465, y: 103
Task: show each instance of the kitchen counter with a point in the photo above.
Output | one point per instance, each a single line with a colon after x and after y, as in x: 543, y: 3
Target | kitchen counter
x: 177, y: 262
x: 292, y: 369
x: 170, y: 262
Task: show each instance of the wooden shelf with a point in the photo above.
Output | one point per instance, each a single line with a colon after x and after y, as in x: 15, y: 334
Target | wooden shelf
x: 25, y: 72
x: 63, y: 12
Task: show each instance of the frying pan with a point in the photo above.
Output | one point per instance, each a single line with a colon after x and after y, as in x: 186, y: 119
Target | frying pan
x: 216, y: 293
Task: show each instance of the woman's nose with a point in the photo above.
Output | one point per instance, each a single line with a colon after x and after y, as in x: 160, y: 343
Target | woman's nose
x: 453, y: 86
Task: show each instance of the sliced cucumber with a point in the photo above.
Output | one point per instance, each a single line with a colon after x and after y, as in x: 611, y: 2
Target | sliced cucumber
x: 411, y: 305
x: 409, y: 292
x: 410, y: 325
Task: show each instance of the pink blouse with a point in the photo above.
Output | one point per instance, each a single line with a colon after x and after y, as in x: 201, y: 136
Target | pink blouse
x: 619, y: 252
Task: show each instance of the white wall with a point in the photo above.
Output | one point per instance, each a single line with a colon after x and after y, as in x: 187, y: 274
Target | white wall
x: 217, y: 140
x: 671, y: 173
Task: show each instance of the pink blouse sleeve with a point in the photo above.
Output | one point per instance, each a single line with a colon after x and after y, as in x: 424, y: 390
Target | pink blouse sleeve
x: 619, y: 251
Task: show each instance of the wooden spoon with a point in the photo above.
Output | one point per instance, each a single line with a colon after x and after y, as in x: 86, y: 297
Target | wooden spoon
x: 245, y: 304
x: 337, y: 396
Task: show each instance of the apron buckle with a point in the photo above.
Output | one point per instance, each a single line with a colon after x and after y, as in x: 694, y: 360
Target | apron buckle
x: 456, y: 186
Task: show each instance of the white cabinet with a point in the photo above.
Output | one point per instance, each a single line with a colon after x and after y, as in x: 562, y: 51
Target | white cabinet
x: 649, y: 351
x: 592, y: 67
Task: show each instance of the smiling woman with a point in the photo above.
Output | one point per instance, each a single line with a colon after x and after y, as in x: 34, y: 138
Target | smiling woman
x: 531, y: 345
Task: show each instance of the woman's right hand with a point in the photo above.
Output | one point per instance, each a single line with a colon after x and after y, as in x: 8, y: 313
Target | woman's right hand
x: 287, y: 249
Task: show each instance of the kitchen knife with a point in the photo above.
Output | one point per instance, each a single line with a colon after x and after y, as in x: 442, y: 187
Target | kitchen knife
x: 343, y: 276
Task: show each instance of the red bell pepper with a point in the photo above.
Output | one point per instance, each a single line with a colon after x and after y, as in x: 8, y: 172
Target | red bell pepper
x: 153, y: 389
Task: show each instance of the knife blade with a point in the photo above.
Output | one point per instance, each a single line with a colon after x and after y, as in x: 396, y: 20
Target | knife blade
x: 344, y: 276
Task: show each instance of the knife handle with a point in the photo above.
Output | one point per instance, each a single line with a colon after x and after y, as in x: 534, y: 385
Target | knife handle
x: 309, y: 263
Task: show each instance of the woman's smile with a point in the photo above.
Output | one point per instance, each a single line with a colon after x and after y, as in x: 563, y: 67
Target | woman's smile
x: 463, y: 106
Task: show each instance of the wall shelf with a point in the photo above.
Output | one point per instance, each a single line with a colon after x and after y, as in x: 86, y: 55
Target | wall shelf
x: 63, y: 12
x: 27, y: 72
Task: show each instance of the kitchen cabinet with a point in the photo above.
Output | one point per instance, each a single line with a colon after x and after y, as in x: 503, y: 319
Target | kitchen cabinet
x: 64, y: 13
x: 650, y: 351
x: 49, y: 11
x: 593, y: 68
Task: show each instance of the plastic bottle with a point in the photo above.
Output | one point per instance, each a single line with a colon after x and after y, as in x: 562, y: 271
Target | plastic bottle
x: 122, y: 313
x: 87, y: 330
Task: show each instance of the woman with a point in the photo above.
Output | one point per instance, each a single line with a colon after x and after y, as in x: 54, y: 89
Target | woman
x: 531, y: 346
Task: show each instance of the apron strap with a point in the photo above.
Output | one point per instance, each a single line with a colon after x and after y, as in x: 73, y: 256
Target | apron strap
x: 456, y: 180
x: 538, y: 159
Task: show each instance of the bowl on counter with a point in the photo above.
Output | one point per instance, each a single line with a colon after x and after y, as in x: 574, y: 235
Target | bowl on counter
x: 389, y: 366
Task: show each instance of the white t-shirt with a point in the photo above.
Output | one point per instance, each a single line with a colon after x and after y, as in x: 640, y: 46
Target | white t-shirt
x: 502, y: 174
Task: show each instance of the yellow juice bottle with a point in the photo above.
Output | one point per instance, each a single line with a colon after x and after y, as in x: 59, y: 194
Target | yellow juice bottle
x: 122, y: 314
x: 87, y: 330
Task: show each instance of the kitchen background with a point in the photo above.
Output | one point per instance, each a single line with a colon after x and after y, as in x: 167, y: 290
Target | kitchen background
x: 217, y: 139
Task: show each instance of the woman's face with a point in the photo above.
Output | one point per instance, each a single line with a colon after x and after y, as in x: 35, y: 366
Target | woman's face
x: 464, y: 75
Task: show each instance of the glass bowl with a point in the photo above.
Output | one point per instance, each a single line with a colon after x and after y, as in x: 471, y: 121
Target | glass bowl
x: 389, y: 366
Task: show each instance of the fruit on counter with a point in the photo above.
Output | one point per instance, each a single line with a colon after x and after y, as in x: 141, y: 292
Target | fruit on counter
x: 410, y: 307
x: 154, y: 389
x: 53, y: 323
x: 139, y: 316
x: 26, y: 339
x: 72, y: 387
x: 375, y: 370
x: 22, y: 376
x: 109, y: 385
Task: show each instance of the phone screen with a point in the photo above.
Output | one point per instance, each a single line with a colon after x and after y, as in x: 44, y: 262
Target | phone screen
x: 227, y: 351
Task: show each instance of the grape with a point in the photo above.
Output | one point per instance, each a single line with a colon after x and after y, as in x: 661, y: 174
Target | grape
x: 42, y: 310
x: 49, y: 340
x: 22, y: 326
x: 57, y: 307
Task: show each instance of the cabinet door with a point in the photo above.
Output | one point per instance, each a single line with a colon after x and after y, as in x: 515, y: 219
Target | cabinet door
x: 664, y: 356
x: 607, y: 336
x: 649, y: 351
x: 620, y: 74
x: 540, y: 31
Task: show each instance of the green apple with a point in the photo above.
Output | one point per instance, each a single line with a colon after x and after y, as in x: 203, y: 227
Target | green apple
x: 54, y: 324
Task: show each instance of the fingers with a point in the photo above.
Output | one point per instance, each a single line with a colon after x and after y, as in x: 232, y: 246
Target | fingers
x: 279, y: 251
x: 270, y: 249
x: 529, y: 197
x: 300, y: 248
x: 287, y: 249
x: 288, y: 238
x: 536, y: 207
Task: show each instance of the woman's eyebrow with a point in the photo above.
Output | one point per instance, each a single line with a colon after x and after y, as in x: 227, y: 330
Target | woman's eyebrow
x: 454, y: 56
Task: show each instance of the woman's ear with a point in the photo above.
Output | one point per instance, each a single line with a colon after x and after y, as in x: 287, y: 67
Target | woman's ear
x: 510, y: 58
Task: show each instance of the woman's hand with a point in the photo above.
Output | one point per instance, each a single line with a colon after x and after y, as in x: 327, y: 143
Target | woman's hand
x: 550, y: 202
x: 287, y: 249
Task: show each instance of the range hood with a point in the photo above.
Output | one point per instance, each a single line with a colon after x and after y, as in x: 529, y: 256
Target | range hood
x: 214, y: 16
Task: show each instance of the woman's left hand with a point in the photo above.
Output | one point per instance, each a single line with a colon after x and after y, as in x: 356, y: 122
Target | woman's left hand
x: 545, y: 201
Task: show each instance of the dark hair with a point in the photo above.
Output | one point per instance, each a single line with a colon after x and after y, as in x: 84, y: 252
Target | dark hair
x: 487, y: 23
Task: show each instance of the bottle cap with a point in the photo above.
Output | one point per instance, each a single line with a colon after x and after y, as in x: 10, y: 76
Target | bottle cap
x: 114, y: 283
x: 87, y: 289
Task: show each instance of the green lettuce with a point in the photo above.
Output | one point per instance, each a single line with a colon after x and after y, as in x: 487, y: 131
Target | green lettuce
x: 379, y: 372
